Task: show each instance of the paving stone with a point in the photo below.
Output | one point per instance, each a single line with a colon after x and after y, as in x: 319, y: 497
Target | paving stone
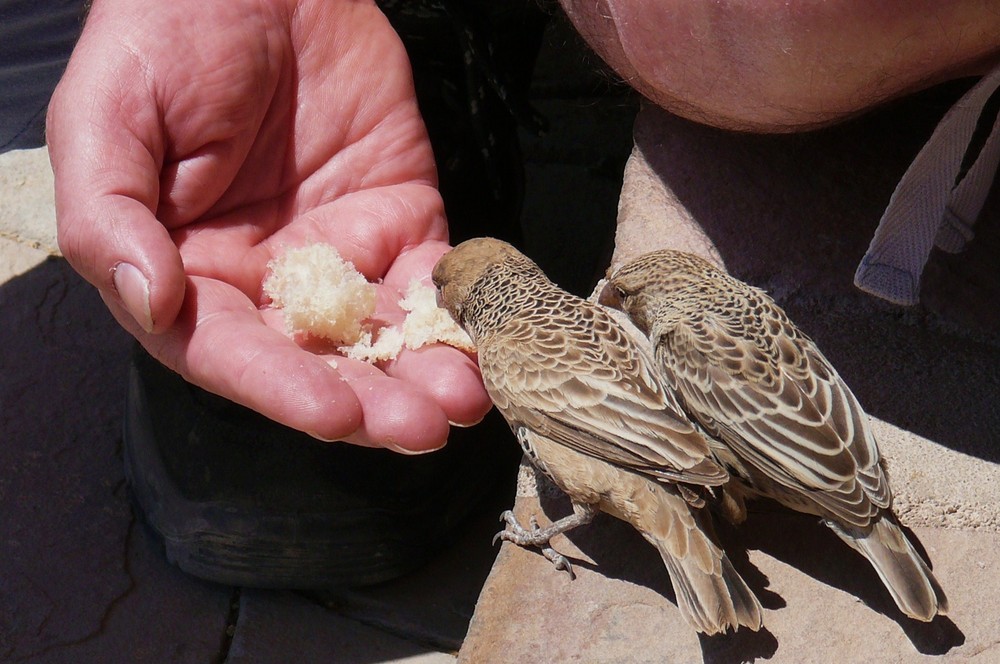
x: 822, y: 601
x: 27, y: 208
x: 794, y: 214
x: 278, y: 627
x: 164, y: 616
x: 77, y: 583
x: 62, y: 534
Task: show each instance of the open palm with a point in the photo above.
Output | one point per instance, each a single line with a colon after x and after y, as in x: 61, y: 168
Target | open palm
x: 192, y: 142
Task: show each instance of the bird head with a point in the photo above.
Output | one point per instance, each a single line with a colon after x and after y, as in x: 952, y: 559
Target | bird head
x: 459, y: 271
x: 627, y: 293
x: 642, y: 286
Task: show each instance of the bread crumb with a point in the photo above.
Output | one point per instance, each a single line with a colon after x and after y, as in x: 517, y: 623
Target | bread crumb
x: 320, y: 293
x: 428, y: 323
x: 387, y: 346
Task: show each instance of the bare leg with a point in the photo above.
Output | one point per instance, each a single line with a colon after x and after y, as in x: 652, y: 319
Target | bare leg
x: 773, y: 66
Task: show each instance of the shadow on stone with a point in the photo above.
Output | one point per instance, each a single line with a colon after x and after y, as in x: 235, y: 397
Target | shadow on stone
x: 619, y: 552
x: 78, y: 583
x: 807, y: 545
x: 937, y: 637
x: 743, y: 646
x: 617, y: 549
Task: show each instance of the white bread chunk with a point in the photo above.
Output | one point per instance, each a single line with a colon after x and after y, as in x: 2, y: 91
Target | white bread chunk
x: 386, y: 346
x: 427, y: 323
x: 320, y: 294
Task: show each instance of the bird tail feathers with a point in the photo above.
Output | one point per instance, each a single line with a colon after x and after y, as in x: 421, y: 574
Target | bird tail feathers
x: 713, y: 602
x: 903, y: 571
x: 711, y: 594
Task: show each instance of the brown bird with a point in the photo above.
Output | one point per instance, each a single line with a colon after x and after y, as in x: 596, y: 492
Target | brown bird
x: 590, y: 411
x: 792, y: 430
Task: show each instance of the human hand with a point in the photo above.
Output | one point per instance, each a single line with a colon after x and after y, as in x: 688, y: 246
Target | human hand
x: 193, y: 141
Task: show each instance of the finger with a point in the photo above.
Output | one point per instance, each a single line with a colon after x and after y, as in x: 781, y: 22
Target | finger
x: 415, y: 263
x: 398, y: 415
x: 449, y: 376
x: 373, y: 229
x: 221, y: 343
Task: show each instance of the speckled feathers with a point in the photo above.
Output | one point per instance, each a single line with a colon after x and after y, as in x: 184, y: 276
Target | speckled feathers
x: 592, y: 411
x: 562, y: 366
x: 792, y: 429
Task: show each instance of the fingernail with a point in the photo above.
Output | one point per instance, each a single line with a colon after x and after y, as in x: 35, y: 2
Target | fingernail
x: 133, y: 289
x: 408, y: 452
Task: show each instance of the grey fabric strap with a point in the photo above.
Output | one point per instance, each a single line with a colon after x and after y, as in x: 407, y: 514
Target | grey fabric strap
x: 928, y: 207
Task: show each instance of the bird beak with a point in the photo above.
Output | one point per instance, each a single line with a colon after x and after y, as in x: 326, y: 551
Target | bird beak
x: 609, y: 297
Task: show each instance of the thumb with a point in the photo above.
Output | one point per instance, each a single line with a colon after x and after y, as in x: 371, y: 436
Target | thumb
x: 118, y: 245
x: 105, y: 145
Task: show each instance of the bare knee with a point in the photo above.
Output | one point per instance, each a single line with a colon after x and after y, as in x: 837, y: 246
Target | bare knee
x: 770, y: 65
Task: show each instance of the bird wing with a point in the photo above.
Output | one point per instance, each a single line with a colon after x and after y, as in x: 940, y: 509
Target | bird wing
x: 779, y: 404
x: 580, y: 381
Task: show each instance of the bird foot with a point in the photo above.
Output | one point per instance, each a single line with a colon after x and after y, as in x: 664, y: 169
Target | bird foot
x: 537, y: 537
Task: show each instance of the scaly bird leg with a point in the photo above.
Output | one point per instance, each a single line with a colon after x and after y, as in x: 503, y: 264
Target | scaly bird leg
x: 518, y: 534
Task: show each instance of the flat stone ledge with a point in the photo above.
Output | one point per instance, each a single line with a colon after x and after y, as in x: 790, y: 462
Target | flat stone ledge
x: 822, y: 602
x: 793, y: 215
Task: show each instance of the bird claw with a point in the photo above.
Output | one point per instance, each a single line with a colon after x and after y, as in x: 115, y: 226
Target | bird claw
x: 518, y: 534
x: 505, y: 535
x: 559, y: 561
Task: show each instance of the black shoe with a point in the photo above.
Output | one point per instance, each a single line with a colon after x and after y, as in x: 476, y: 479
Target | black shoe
x: 240, y: 500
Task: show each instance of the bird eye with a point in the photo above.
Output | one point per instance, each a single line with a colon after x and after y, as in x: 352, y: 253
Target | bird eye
x: 612, y: 295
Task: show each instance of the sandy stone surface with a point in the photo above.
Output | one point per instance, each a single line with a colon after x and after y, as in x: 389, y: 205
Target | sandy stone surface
x: 793, y: 215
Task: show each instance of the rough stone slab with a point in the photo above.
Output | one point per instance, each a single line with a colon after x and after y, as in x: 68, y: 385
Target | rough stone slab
x: 78, y: 580
x: 164, y: 616
x: 276, y: 627
x: 27, y: 206
x: 63, y: 527
x: 822, y: 602
x: 794, y: 215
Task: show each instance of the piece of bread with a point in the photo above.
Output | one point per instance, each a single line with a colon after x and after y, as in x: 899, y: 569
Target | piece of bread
x: 322, y: 295
x: 427, y: 323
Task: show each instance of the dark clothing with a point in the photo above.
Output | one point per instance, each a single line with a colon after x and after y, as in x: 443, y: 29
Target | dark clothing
x: 36, y: 39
